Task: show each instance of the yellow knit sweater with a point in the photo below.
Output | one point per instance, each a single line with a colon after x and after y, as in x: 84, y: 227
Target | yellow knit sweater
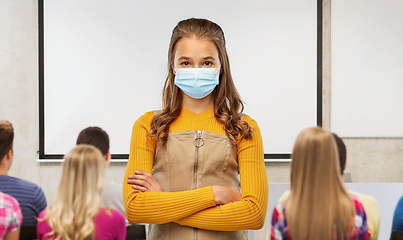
x: 197, y: 208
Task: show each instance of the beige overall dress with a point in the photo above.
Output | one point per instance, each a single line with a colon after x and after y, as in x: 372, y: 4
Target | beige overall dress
x: 194, y: 159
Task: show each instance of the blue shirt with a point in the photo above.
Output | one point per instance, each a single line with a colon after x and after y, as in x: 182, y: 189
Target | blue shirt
x: 29, y: 195
x: 397, y: 224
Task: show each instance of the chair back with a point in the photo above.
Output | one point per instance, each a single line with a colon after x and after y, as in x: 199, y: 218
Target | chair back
x: 397, y: 235
x: 28, y: 232
x: 136, y: 232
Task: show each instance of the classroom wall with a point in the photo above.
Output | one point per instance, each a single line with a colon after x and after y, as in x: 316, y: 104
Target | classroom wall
x: 369, y: 159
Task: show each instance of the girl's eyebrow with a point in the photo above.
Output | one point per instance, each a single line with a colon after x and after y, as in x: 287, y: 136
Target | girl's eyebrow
x: 209, y: 58
x: 184, y: 58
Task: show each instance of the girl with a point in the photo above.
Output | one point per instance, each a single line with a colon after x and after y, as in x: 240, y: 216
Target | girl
x: 196, y: 147
x: 10, y: 217
x: 319, y: 206
x: 77, y: 213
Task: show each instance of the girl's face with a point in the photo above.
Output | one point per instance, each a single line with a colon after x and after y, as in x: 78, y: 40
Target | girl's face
x: 196, y: 53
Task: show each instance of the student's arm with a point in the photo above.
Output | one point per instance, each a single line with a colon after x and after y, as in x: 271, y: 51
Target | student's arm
x: 157, y: 207
x: 13, y: 235
x: 39, y: 200
x: 250, y: 212
x: 13, y: 229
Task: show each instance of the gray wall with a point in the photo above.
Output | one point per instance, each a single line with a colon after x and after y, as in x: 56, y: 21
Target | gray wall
x: 369, y: 159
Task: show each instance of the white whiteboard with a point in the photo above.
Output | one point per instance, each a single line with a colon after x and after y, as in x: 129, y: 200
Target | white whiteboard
x: 105, y: 64
x: 367, y: 68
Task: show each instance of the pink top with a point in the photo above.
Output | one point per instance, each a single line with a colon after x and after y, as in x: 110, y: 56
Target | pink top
x: 107, y: 226
x: 10, y: 214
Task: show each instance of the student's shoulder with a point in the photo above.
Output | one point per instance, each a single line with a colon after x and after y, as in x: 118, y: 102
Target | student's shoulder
x: 42, y: 214
x: 8, y: 201
x: 359, y: 208
x: 111, y: 215
x: 285, y: 196
x: 366, y: 200
x: 249, y: 120
x: 147, y: 117
x: 19, y: 183
x: 110, y: 212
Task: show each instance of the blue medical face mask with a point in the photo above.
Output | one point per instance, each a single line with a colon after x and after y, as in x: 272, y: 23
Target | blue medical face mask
x: 197, y: 82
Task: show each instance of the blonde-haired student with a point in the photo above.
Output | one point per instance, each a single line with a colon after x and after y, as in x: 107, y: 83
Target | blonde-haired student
x: 319, y: 206
x: 78, y: 212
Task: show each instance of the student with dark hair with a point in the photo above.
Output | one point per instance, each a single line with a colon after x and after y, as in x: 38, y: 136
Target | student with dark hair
x: 369, y: 203
x: 29, y: 195
x: 96, y: 137
x: 112, y: 193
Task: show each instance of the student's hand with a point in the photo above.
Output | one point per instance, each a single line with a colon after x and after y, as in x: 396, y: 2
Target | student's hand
x: 144, y: 181
x: 224, y: 195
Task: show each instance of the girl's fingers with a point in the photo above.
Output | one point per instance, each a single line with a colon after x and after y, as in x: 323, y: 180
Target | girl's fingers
x: 138, y: 177
x: 141, y: 174
x: 145, y: 179
x: 139, y: 182
x: 140, y: 188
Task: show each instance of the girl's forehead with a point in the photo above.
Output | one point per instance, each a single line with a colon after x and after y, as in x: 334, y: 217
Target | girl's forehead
x: 194, y: 48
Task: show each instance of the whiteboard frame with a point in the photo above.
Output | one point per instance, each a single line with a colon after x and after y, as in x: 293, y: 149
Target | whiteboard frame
x: 280, y: 157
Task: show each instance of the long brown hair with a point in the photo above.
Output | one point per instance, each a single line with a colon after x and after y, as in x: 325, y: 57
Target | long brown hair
x: 319, y: 200
x: 228, y: 105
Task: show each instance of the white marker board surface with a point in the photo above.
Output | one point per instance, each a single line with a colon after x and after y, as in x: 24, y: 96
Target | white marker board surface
x: 367, y: 68
x: 105, y: 64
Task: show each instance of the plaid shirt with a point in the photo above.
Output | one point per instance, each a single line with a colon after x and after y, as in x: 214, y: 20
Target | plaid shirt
x: 279, y: 227
x: 10, y: 214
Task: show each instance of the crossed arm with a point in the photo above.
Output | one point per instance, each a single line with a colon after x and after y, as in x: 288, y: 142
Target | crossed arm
x: 213, y: 207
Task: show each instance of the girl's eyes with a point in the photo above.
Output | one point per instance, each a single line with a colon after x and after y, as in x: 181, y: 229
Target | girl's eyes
x: 207, y: 64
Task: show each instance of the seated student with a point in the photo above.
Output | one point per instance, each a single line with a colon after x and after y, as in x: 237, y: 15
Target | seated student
x: 10, y: 217
x: 397, y: 224
x: 369, y: 203
x: 29, y: 195
x: 78, y: 213
x: 112, y: 195
x: 319, y: 206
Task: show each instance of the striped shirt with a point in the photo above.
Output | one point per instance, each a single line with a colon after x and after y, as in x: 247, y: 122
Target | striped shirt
x: 280, y: 231
x: 29, y: 195
x: 10, y: 214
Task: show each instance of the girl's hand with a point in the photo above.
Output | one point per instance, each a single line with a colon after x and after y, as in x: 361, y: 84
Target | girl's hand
x: 224, y: 195
x: 144, y: 181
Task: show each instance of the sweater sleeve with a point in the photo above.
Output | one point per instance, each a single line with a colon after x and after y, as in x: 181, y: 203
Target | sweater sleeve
x: 250, y: 212
x: 141, y: 207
